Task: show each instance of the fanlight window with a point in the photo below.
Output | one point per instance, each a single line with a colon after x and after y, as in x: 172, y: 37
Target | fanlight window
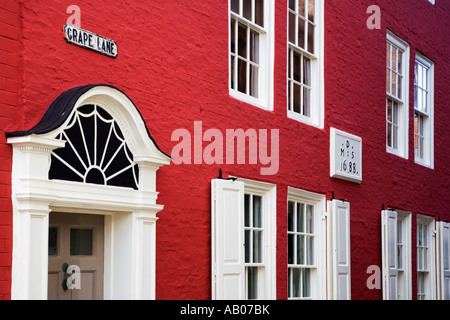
x: 95, y: 151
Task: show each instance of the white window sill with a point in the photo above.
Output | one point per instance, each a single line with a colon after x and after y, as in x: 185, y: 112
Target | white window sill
x: 257, y: 102
x: 396, y: 152
x: 304, y: 119
x: 423, y: 163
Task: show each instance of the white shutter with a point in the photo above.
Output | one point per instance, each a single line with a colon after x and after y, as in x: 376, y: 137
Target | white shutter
x: 339, y: 218
x: 227, y: 230
x: 389, y: 254
x: 444, y: 252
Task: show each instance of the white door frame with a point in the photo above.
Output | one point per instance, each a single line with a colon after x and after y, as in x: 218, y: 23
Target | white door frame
x: 130, y: 215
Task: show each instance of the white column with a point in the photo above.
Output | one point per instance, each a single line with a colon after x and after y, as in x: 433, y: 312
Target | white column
x: 31, y: 162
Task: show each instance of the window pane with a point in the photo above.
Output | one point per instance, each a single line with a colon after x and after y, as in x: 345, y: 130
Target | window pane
x: 301, y: 33
x: 254, y: 81
x: 424, y: 78
x: 291, y: 216
x: 254, y: 46
x: 393, y: 58
x: 306, y: 102
x: 306, y: 283
x: 311, y: 10
x: 235, y: 6
x: 420, y: 235
x: 389, y: 110
x: 416, y: 95
x: 233, y: 35
x: 311, y: 38
x: 421, y: 122
x: 416, y: 70
x: 292, y: 4
x: 257, y: 246
x: 399, y: 257
x: 257, y: 212
x: 247, y: 246
x: 52, y: 241
x: 421, y: 143
x: 389, y: 134
x: 388, y: 83
x: 291, y: 239
x: 296, y: 282
x: 81, y: 242
x: 309, y: 219
x: 297, y: 66
x: 310, y: 250
x: 300, y: 217
x: 289, y: 282
x: 395, y: 112
x: 233, y: 83
x: 395, y: 137
x: 424, y: 101
x: 297, y: 97
x: 425, y: 236
x: 247, y: 210
x: 300, y: 249
x: 419, y: 256
x: 307, y: 71
x: 242, y: 40
x: 289, y: 95
x: 394, y: 83
x: 242, y: 76
x: 292, y: 19
x: 259, y: 12
x: 301, y: 7
x: 247, y: 9
x: 388, y: 54
x: 252, y: 283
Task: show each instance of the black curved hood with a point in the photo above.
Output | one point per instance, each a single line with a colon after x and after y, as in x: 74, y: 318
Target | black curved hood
x: 61, y: 108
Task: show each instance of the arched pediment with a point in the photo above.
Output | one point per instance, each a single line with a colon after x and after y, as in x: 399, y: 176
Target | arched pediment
x: 104, y: 136
x: 114, y: 101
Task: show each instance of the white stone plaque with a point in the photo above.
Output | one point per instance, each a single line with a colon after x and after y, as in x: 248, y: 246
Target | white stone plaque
x: 345, y: 156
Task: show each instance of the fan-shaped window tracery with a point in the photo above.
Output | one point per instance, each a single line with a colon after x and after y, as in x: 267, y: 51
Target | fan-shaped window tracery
x: 95, y: 151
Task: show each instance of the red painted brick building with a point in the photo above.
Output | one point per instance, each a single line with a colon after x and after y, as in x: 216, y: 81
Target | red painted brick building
x: 352, y: 115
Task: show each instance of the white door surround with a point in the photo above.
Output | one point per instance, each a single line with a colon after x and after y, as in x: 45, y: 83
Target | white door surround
x: 130, y: 215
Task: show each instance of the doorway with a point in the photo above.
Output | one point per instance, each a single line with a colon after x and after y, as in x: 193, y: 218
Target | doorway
x: 75, y: 256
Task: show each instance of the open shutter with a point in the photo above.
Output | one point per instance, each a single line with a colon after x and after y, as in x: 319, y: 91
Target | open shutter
x: 227, y: 229
x: 339, y: 218
x: 389, y: 257
x: 444, y: 253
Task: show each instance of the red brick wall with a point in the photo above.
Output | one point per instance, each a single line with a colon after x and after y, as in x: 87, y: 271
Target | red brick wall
x: 9, y: 114
x: 173, y: 63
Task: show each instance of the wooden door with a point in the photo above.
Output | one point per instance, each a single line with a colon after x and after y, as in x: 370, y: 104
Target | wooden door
x: 75, y: 240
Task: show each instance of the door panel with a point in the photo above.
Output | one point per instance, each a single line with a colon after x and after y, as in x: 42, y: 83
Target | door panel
x: 76, y: 239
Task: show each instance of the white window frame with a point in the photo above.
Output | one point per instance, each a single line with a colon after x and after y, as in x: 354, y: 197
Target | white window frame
x: 428, y: 116
x: 318, y: 269
x: 266, y: 57
x: 267, y: 276
x: 403, y: 102
x: 443, y: 260
x: 267, y: 191
x: 405, y: 274
x: 390, y: 241
x: 429, y: 273
x: 316, y: 117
